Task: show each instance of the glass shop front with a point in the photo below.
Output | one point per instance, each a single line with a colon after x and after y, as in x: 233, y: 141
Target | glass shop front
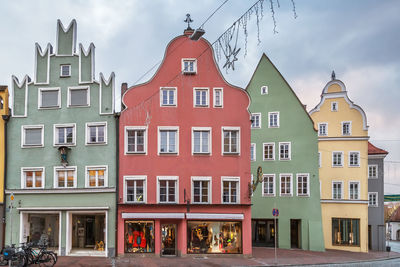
x: 214, y: 237
x: 139, y: 236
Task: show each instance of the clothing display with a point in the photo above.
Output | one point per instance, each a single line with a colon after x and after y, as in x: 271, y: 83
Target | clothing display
x: 139, y: 236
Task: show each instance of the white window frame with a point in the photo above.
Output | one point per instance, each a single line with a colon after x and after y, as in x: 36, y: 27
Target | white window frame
x: 87, y: 133
x: 27, y: 127
x: 194, y: 65
x: 253, y: 157
x: 221, y: 105
x: 376, y: 199
x: 376, y: 171
x: 273, y: 185
x: 40, y: 98
x: 33, y: 169
x: 207, y: 90
x: 69, y: 70
x: 176, y: 179
x: 280, y: 184
x: 358, y: 158
x: 326, y: 129
x: 308, y: 184
x: 341, y: 189
x: 277, y: 119
x: 175, y: 89
x: 135, y: 178
x: 230, y: 179
x: 209, y: 129
x: 64, y: 125
x: 135, y: 128
x: 342, y: 159
x: 72, y: 88
x: 289, y: 150
x: 273, y: 153
x: 342, y: 123
x: 209, y: 193
x: 167, y: 128
x: 61, y: 168
x: 334, y: 103
x: 358, y: 189
x: 257, y: 114
x: 266, y: 90
x: 96, y: 167
x: 225, y: 128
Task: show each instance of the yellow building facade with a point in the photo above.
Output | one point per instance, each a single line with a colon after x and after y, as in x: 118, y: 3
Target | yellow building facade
x: 3, y: 120
x: 343, y: 156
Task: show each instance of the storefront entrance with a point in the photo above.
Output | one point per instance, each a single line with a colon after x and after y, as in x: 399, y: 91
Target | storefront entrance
x: 168, y: 240
x: 295, y: 233
x: 263, y: 233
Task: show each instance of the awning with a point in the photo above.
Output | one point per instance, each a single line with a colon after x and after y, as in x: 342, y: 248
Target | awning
x: 153, y: 215
x: 215, y: 216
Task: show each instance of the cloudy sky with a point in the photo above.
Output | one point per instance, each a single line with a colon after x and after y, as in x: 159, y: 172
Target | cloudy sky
x: 359, y: 39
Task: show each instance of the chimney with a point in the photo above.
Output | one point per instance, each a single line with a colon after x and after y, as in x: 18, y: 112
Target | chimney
x: 124, y: 88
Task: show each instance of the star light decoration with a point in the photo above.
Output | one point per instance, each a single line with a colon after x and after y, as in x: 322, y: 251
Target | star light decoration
x: 231, y: 57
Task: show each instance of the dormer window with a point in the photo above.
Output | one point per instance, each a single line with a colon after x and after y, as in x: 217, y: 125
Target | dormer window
x: 65, y: 71
x: 189, y: 66
x: 264, y: 90
x: 334, y: 106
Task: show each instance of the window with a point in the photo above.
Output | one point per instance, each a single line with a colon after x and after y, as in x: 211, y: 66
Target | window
x: 372, y: 171
x: 96, y: 133
x: 32, y: 136
x: 346, y: 128
x: 136, y: 139
x: 49, y: 98
x: 284, y: 151
x: 32, y: 178
x: 322, y: 129
x: 256, y: 120
x: 168, y: 96
x: 218, y: 97
x: 64, y: 134
x: 303, y: 185
x: 372, y: 199
x: 337, y: 190
x: 269, y: 151
x: 230, y: 190
x: 346, y: 232
x: 201, y: 193
x: 264, y: 90
x: 135, y: 189
x: 65, y: 177
x: 139, y: 236
x: 189, y: 66
x: 273, y: 119
x: 201, y: 97
x: 268, y: 185
x: 168, y: 140
x: 286, y: 185
x: 354, y: 190
x: 168, y: 189
x: 334, y: 106
x: 201, y: 140
x: 253, y: 152
x: 231, y: 140
x: 354, y: 159
x: 96, y: 176
x: 79, y: 96
x: 337, y: 159
x: 65, y: 70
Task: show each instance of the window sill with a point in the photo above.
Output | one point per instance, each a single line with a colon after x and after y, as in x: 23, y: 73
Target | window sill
x: 168, y: 106
x: 201, y: 106
x: 97, y: 144
x: 59, y: 145
x: 337, y: 166
x: 78, y: 106
x: 32, y: 146
x: 201, y: 153
x: 168, y: 153
x: 189, y: 72
x: 47, y: 108
x: 303, y: 195
x: 285, y: 159
x: 135, y: 202
x: 268, y: 159
x: 135, y: 153
x: 286, y: 195
x: 231, y: 154
x: 354, y: 166
x: 269, y: 195
x: 65, y: 76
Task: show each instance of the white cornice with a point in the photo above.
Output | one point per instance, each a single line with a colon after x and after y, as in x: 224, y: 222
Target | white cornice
x: 344, y: 138
x: 61, y: 208
x: 377, y: 156
x: 344, y: 201
x: 60, y: 191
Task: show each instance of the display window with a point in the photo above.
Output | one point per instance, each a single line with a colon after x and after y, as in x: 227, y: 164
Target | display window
x: 139, y: 236
x: 346, y: 232
x: 214, y: 237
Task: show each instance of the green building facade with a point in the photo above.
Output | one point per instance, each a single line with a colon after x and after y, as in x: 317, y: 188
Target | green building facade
x: 285, y: 146
x: 61, y: 152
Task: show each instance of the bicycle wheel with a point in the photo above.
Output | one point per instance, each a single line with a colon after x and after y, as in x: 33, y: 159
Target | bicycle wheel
x: 46, y: 260
x: 19, y: 260
x: 3, y: 262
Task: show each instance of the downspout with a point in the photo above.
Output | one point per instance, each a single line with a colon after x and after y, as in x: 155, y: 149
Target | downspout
x: 117, y: 181
x: 5, y: 119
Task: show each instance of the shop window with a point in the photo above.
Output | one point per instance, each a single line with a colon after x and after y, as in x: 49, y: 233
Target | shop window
x: 139, y: 236
x: 214, y: 237
x: 346, y: 232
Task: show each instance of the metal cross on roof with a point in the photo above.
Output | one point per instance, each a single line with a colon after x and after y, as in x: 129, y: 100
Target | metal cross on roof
x: 188, y: 20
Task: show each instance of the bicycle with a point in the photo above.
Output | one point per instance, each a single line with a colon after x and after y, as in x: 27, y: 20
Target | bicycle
x: 13, y: 256
x: 45, y: 258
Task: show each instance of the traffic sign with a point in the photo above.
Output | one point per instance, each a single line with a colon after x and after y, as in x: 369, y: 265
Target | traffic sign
x: 12, y: 197
x: 275, y: 212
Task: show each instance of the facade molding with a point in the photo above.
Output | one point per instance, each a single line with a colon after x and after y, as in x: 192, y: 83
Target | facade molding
x: 153, y: 215
x: 60, y: 191
x: 344, y: 201
x: 344, y: 138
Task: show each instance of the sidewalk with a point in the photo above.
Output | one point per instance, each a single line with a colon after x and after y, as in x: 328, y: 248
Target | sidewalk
x: 261, y: 256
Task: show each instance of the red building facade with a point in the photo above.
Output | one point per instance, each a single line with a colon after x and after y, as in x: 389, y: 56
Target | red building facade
x: 185, y: 159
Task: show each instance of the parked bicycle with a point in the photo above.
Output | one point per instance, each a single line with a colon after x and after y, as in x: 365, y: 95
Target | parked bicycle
x: 13, y: 256
x: 43, y: 257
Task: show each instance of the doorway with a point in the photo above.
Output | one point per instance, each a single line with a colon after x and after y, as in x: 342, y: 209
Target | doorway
x: 168, y: 240
x: 88, y: 234
x: 369, y: 238
x: 295, y: 233
x: 263, y: 233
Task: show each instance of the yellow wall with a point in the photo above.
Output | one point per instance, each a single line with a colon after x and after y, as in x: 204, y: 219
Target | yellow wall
x: 3, y: 111
x: 345, y: 174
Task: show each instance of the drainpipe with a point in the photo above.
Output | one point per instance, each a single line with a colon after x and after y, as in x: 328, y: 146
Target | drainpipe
x: 117, y: 180
x: 5, y: 119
